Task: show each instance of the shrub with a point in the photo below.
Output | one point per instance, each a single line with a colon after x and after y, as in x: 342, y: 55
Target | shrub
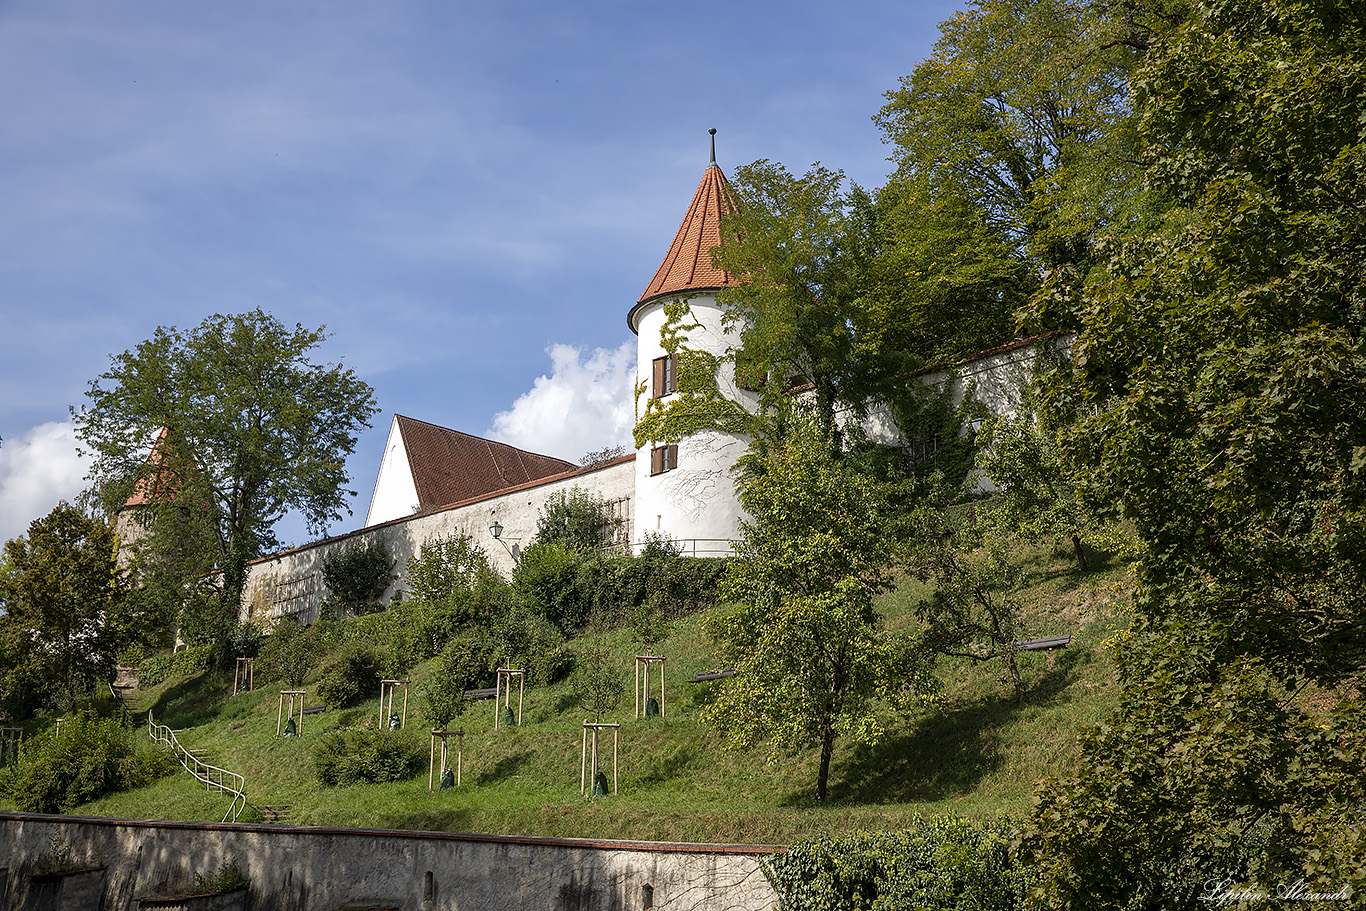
x: 351, y: 756
x: 448, y: 566
x: 228, y: 878
x: 290, y: 652
x: 349, y: 676
x: 578, y: 519
x: 532, y: 642
x: 545, y: 577
x: 940, y: 864
x: 356, y: 576
x: 91, y: 757
x: 192, y: 660
x: 465, y: 664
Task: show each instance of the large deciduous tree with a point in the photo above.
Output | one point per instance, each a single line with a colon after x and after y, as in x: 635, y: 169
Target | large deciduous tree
x: 813, y: 662
x: 248, y: 426
x: 1021, y: 112
x: 1217, y: 403
x: 62, y: 597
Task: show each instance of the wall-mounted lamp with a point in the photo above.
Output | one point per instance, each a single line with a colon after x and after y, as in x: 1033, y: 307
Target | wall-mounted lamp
x: 496, y: 529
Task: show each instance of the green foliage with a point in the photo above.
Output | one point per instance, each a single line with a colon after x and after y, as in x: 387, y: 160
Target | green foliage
x: 1038, y: 497
x: 92, y: 756
x: 446, y: 567
x: 579, y: 519
x: 351, y: 756
x: 598, y: 683
x: 973, y: 612
x: 1189, y: 783
x: 58, y: 857
x: 940, y: 864
x: 358, y: 575
x: 227, y: 878
x: 152, y: 671
x: 245, y: 638
x: 531, y: 642
x: 813, y: 663
x: 699, y: 403
x: 291, y: 652
x: 1214, y: 401
x: 1022, y: 114
x: 465, y: 664
x: 64, y: 609
x: 798, y: 247
x: 412, y: 631
x: 545, y: 577
x: 200, y: 617
x: 247, y: 428
x: 349, y: 676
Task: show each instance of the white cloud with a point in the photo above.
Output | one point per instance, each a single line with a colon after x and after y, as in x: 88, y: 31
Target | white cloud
x: 584, y: 405
x: 36, y: 471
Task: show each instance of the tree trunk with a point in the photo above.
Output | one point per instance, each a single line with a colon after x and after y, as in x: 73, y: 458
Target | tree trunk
x: 827, y: 750
x: 1080, y: 552
x: 1009, y: 655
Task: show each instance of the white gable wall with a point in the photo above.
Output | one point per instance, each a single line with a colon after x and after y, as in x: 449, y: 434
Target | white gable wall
x: 395, y: 494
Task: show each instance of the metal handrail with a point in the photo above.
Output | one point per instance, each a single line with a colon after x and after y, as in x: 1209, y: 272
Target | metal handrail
x: 213, y: 777
x: 687, y: 547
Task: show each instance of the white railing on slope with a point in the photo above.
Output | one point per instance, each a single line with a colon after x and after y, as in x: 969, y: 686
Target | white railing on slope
x: 214, y: 778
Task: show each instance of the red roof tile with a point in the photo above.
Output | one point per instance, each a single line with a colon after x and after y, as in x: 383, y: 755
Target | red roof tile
x: 687, y: 266
x: 449, y: 466
x: 158, y: 481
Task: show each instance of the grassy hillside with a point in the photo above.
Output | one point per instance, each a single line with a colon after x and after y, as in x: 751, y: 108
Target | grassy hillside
x: 977, y: 754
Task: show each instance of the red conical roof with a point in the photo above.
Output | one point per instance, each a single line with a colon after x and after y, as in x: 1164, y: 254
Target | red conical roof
x: 687, y: 266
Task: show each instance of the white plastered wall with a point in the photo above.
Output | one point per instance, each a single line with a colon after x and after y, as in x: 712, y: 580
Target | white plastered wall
x: 291, y: 583
x: 695, y: 503
x: 395, y: 494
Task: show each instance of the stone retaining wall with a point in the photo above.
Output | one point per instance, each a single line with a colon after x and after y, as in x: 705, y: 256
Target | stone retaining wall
x: 318, y: 869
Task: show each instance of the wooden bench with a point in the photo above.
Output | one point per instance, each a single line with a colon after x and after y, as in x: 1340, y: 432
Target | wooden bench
x: 313, y: 709
x: 714, y: 675
x: 486, y: 693
x: 1043, y: 645
x: 274, y: 812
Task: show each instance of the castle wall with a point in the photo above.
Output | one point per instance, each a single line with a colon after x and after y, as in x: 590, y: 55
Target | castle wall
x: 290, y: 584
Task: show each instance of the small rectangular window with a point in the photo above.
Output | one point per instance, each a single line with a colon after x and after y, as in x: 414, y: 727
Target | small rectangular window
x: 666, y: 375
x: 663, y: 458
x: 748, y: 375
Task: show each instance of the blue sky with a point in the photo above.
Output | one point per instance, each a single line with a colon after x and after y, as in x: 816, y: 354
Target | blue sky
x: 470, y: 196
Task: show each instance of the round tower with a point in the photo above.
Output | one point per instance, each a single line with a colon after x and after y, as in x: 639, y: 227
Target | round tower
x: 686, y: 490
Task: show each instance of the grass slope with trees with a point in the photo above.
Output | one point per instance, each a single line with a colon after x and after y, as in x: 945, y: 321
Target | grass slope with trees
x: 1176, y: 186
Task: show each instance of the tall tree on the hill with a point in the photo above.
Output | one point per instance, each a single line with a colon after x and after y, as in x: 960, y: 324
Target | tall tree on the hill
x: 805, y: 638
x: 253, y: 428
x: 1020, y: 112
x: 62, y: 598
x: 1216, y: 397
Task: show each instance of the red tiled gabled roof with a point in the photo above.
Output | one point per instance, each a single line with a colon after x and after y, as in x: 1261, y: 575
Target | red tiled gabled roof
x: 687, y: 266
x: 449, y: 466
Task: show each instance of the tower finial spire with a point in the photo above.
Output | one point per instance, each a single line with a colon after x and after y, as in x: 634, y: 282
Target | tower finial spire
x: 712, y: 131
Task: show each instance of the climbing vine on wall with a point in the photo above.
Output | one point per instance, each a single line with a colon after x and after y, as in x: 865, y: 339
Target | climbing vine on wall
x: 698, y: 404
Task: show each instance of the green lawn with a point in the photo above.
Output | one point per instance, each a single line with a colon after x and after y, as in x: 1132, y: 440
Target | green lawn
x: 978, y: 754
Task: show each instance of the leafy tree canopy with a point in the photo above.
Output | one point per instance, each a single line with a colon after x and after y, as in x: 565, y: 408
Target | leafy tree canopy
x: 248, y: 425
x: 1021, y: 112
x: 65, y: 616
x: 1215, y: 401
x: 813, y: 662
